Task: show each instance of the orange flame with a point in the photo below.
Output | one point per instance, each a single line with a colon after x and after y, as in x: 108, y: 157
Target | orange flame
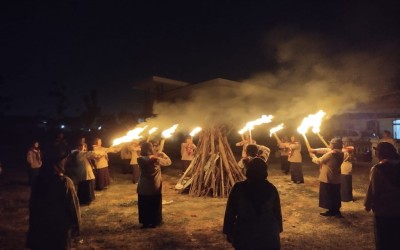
x: 133, y: 134
x: 275, y: 129
x: 195, y: 131
x: 250, y: 125
x: 168, y: 132
x: 312, y: 120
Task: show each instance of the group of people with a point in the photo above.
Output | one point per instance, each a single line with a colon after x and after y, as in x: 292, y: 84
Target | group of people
x: 253, y: 218
x: 62, y: 181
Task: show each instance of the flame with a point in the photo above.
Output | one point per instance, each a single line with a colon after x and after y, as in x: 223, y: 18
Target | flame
x: 168, y: 132
x: 275, y: 129
x: 152, y: 130
x: 312, y: 120
x: 130, y: 136
x: 250, y: 125
x: 195, y: 131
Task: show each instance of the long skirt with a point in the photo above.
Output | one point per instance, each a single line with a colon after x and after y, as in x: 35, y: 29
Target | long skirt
x: 86, y: 192
x: 126, y: 166
x: 185, y: 165
x: 329, y: 196
x: 387, y: 231
x: 135, y: 173
x: 150, y: 209
x: 296, y: 172
x: 346, y: 187
x: 33, y: 173
x: 102, y: 178
x: 285, y: 164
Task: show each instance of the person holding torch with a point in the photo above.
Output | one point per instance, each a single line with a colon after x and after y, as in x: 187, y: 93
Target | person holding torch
x: 149, y: 188
x: 329, y: 177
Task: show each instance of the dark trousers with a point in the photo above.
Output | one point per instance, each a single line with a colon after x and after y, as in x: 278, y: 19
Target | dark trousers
x: 150, y: 209
x: 387, y: 232
x: 329, y: 196
x: 285, y: 164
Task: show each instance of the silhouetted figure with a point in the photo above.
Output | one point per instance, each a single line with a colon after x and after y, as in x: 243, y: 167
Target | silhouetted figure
x: 383, y: 197
x: 253, y: 218
x: 53, y: 206
x: 34, y: 161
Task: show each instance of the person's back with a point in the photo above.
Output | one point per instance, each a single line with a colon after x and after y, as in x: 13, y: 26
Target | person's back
x: 253, y: 218
x: 257, y: 226
x: 53, y: 211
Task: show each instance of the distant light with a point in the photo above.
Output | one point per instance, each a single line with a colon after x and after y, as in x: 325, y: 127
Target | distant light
x: 99, y: 128
x: 62, y: 126
x: 44, y: 122
x: 89, y: 130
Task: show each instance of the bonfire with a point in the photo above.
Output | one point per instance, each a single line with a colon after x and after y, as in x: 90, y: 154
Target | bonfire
x: 214, y: 169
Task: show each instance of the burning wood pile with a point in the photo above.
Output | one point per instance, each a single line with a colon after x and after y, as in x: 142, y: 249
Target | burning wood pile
x: 214, y: 170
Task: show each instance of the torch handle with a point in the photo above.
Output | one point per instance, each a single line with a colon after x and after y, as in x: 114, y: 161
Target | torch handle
x: 306, y: 141
x: 323, y: 140
x: 161, y: 147
x: 277, y: 138
x: 250, y: 138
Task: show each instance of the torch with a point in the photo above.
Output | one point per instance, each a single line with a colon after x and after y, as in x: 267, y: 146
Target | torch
x: 195, y: 131
x: 316, y: 124
x: 250, y: 125
x: 305, y: 124
x: 166, y: 134
x: 273, y: 131
x: 130, y: 136
x: 151, y: 131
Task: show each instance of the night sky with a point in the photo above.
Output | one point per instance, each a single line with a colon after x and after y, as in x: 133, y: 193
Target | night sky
x: 77, y: 46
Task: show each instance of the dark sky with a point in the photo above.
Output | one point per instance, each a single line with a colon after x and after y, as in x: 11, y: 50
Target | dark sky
x: 78, y: 46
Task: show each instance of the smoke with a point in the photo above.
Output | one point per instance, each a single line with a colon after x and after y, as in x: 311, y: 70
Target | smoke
x: 312, y: 73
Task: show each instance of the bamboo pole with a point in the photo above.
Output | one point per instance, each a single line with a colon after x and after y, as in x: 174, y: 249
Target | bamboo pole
x: 161, y: 147
x: 323, y: 140
x: 306, y: 141
x: 277, y: 138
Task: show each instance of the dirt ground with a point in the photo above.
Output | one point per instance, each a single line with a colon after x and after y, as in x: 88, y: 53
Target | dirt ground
x: 111, y: 221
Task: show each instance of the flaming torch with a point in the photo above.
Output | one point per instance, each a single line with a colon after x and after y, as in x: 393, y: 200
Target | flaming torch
x: 195, y: 131
x: 303, y: 128
x: 250, y: 125
x: 317, y: 124
x: 151, y: 131
x: 273, y: 131
x: 166, y: 134
x: 133, y: 134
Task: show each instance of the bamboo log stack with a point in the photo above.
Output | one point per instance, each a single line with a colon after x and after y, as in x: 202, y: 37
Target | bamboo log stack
x: 214, y: 169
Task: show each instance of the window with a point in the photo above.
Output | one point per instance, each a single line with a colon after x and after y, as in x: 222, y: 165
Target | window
x: 396, y: 129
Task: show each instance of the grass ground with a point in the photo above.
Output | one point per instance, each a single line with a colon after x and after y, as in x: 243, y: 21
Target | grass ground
x: 111, y: 221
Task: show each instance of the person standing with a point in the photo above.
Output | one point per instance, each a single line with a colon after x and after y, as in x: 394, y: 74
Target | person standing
x: 346, y: 178
x: 295, y: 160
x: 246, y: 141
x: 80, y: 170
x: 149, y: 188
x: 387, y: 137
x: 101, y: 162
x: 283, y: 146
x: 253, y: 217
x: 383, y: 197
x: 34, y: 161
x: 126, y: 156
x: 187, y: 152
x: 329, y: 176
x: 54, y: 213
x: 134, y: 148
